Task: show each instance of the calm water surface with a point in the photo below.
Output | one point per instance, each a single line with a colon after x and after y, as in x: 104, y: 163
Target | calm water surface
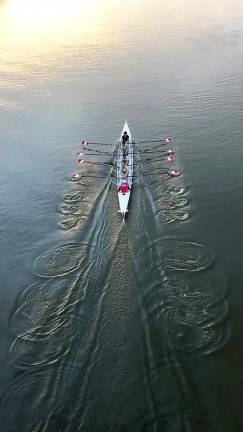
x: 108, y: 326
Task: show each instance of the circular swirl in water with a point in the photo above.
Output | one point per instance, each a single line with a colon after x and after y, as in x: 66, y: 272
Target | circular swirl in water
x: 186, y: 255
x: 43, y: 391
x: 165, y: 176
x: 177, y: 202
x: 34, y: 311
x: 171, y: 202
x: 67, y: 209
x: 190, y: 339
x: 181, y: 216
x: 42, y: 326
x: 170, y: 216
x: 44, y: 308
x: 168, y: 189
x: 61, y: 260
x: 166, y: 215
x: 74, y: 197
x: 27, y: 352
x: 36, y: 382
x: 176, y: 190
x: 195, y: 286
x: 183, y: 256
x: 200, y: 312
x: 195, y: 305
x: 68, y: 223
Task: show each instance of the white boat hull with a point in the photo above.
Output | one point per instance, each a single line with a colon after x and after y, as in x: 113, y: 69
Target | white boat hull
x: 124, y: 197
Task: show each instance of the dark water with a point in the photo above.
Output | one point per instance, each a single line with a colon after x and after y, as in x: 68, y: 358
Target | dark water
x: 108, y: 326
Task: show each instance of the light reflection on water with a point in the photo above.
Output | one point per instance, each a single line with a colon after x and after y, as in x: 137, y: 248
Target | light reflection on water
x: 132, y: 338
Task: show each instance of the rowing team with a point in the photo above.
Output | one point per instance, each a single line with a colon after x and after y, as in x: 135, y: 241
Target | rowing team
x: 124, y: 162
x: 124, y: 171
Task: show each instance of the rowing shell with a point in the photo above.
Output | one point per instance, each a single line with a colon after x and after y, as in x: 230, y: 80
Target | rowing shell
x: 124, y: 171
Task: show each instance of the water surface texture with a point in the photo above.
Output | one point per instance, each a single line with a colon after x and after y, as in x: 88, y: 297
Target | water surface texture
x: 109, y: 326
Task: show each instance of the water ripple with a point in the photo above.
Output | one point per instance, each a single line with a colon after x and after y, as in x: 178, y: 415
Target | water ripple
x: 181, y: 255
x: 62, y: 260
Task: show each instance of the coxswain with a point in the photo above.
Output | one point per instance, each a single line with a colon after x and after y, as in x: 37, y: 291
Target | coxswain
x: 124, y: 187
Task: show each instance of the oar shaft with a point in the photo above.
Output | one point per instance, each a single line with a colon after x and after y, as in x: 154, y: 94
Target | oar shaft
x: 151, y: 141
x: 97, y: 143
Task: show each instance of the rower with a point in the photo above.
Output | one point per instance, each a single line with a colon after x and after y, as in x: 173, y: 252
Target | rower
x: 124, y: 149
x: 125, y: 141
x: 124, y: 169
x: 124, y: 187
x: 124, y: 176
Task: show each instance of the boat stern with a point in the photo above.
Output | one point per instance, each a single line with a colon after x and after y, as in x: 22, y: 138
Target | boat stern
x: 123, y: 202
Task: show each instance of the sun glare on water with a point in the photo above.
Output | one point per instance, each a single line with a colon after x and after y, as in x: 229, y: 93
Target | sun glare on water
x: 55, y: 15
x: 47, y: 25
x: 46, y: 12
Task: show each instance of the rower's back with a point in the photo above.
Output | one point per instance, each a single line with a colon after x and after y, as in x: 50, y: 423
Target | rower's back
x: 125, y: 138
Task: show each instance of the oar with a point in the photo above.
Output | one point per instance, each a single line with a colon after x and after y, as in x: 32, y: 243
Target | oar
x: 166, y: 139
x: 93, y: 176
x: 94, y: 153
x: 167, y: 151
x: 172, y: 172
x: 140, y: 151
x: 100, y: 153
x: 81, y: 161
x: 151, y: 149
x: 169, y: 158
x: 85, y: 143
